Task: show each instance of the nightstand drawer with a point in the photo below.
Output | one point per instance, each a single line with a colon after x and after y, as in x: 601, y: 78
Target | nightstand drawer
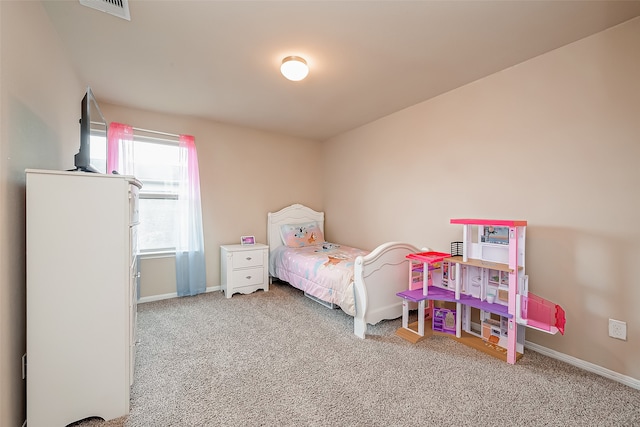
x: 248, y: 277
x: 246, y: 259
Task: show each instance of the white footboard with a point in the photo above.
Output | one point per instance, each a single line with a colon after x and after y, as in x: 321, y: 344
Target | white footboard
x: 378, y: 276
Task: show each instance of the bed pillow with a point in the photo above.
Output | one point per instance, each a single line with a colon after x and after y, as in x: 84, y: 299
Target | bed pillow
x: 299, y: 235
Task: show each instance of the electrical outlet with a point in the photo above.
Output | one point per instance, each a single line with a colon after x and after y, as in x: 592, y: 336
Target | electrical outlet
x: 618, y: 329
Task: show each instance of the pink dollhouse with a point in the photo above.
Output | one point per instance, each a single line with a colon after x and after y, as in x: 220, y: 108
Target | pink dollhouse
x: 485, y: 277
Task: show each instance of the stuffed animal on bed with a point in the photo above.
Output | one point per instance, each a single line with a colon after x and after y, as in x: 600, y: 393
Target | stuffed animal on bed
x: 301, y: 232
x: 299, y: 235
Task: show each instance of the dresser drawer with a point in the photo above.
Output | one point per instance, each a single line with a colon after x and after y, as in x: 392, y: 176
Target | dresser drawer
x: 133, y: 243
x: 134, y: 205
x: 245, y: 259
x: 248, y: 277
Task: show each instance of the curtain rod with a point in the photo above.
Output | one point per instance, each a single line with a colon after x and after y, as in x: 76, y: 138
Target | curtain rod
x: 156, y: 132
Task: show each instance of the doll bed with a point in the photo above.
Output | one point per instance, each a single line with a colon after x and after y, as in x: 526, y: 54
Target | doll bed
x: 364, y: 284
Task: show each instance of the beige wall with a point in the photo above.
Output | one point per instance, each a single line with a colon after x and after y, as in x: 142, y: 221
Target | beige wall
x: 554, y: 141
x: 244, y: 175
x: 40, y: 107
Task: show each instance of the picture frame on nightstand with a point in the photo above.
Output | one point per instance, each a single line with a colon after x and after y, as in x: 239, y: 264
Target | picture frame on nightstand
x: 247, y: 240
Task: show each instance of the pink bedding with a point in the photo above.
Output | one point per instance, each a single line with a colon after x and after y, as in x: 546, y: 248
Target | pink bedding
x: 323, y: 271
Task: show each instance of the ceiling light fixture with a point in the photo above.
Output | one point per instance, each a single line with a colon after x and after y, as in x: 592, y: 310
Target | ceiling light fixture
x: 294, y: 68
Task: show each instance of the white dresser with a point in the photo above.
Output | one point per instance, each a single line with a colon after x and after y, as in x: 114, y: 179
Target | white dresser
x: 244, y: 268
x: 82, y: 281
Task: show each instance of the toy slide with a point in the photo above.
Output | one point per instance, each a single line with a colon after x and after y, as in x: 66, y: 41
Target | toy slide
x: 541, y: 314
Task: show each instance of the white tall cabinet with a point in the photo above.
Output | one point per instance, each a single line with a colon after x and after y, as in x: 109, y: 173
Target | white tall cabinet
x: 82, y: 280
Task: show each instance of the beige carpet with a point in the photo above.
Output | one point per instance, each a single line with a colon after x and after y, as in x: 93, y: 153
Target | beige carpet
x: 280, y: 359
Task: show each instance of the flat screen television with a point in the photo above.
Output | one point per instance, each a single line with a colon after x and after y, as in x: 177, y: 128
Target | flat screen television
x: 92, y: 156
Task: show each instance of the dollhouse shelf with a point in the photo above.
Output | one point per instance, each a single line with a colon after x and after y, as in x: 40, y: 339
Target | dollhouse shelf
x: 467, y: 339
x: 481, y: 263
x: 428, y: 257
x: 439, y: 294
x: 483, y: 346
x: 494, y: 222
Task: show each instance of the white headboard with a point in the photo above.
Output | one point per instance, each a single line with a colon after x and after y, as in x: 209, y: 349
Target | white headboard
x: 294, y: 214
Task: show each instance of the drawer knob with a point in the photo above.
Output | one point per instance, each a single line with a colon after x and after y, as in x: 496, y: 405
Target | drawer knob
x: 248, y: 258
x: 248, y: 277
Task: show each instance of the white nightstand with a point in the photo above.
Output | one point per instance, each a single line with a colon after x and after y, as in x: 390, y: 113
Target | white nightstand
x: 244, y: 268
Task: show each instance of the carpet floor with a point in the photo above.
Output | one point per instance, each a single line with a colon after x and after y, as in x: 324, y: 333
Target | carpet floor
x: 279, y: 359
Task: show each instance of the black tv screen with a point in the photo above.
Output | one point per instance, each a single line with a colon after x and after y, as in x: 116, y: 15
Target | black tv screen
x: 92, y: 155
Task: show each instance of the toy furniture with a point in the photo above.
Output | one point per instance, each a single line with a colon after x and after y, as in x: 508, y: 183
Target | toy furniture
x: 444, y: 320
x: 487, y: 282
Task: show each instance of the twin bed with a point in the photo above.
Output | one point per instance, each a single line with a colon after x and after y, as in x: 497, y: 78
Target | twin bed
x: 362, y: 283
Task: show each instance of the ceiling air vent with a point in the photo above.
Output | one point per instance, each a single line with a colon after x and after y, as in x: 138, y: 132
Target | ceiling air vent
x: 119, y: 8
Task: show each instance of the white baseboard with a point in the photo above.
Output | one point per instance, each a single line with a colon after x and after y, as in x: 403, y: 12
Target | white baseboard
x: 587, y: 366
x: 151, y: 298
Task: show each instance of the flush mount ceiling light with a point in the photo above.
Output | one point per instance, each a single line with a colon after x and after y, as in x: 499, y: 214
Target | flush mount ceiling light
x: 294, y: 68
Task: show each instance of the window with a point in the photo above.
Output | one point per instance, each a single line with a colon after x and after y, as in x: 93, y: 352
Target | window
x: 98, y: 149
x: 156, y: 166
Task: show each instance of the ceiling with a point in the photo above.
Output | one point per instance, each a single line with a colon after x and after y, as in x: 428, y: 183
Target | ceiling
x: 220, y: 60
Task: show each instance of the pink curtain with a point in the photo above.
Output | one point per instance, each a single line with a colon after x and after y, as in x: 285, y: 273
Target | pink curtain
x: 190, y: 262
x: 120, y: 149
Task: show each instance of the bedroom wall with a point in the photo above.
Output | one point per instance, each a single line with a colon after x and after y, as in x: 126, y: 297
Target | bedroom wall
x: 555, y: 141
x: 39, y: 110
x: 244, y: 175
